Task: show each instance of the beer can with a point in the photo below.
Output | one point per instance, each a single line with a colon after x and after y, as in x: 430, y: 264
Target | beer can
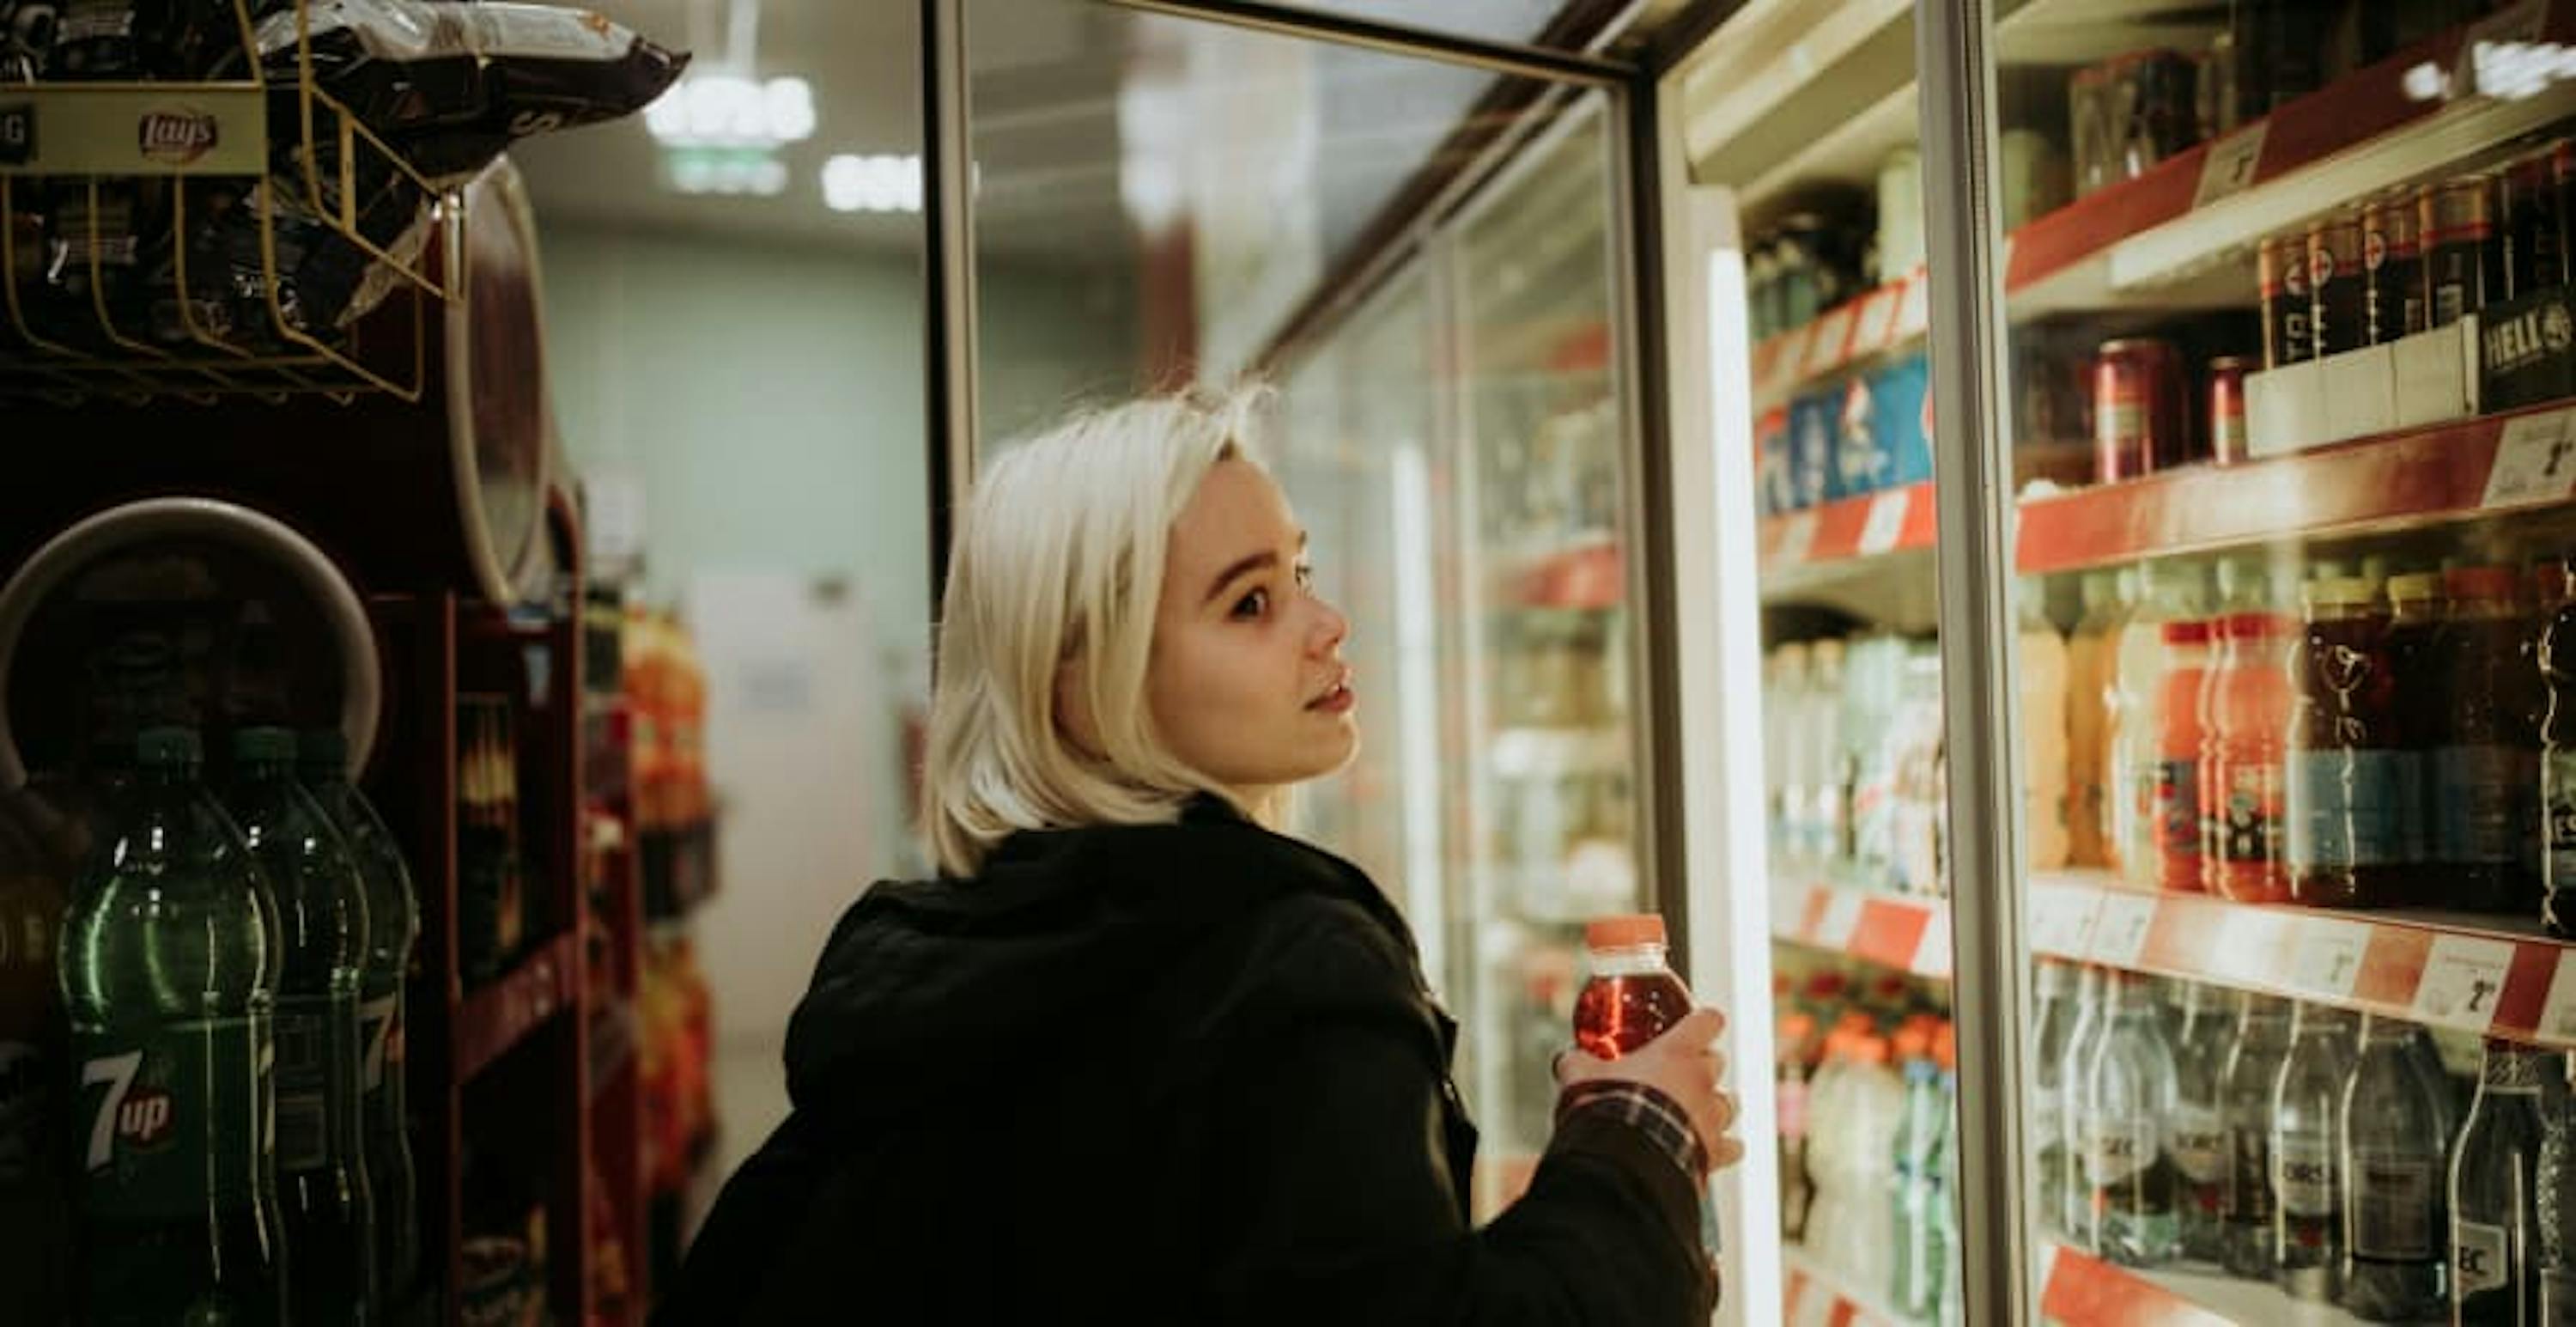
x: 2227, y: 440
x: 2392, y: 259
x: 2535, y: 223
x: 2139, y: 421
x: 2283, y: 265
x: 2462, y: 264
x: 2339, y: 290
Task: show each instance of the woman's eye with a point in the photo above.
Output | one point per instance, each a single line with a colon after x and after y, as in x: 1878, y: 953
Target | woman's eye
x: 1252, y: 605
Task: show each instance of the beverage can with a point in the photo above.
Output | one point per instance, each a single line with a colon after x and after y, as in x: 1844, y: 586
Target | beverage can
x: 2535, y: 234
x: 2228, y: 443
x: 2338, y: 287
x: 2392, y: 259
x: 2458, y: 236
x: 2138, y: 419
x: 2282, y: 265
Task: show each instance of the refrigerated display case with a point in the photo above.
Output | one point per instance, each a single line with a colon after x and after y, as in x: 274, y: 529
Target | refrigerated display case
x: 2246, y: 563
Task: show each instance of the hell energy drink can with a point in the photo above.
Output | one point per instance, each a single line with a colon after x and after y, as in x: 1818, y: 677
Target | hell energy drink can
x: 2283, y: 260
x: 2392, y: 261
x: 2463, y: 265
x: 2339, y: 289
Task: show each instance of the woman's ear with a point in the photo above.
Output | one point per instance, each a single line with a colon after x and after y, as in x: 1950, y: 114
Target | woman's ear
x: 1073, y: 714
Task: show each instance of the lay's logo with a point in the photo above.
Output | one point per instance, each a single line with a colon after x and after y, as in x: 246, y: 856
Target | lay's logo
x: 175, y: 137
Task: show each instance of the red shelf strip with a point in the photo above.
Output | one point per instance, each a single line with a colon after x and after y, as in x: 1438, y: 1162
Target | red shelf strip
x: 497, y: 1016
x: 1909, y: 934
x: 2086, y: 1292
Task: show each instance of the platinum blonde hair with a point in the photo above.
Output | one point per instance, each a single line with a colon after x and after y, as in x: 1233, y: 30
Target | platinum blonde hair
x: 1054, y: 575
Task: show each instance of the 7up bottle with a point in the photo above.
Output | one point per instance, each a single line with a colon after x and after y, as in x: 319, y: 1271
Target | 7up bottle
x: 393, y: 925
x: 169, y: 968
x: 322, y: 926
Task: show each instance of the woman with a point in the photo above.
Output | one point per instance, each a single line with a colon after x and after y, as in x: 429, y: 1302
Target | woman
x: 1133, y: 1056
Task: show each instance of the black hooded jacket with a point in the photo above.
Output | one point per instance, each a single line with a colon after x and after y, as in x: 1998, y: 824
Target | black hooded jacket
x: 1180, y: 1073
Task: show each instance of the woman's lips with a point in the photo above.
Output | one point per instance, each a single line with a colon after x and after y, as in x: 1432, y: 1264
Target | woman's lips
x: 1337, y: 700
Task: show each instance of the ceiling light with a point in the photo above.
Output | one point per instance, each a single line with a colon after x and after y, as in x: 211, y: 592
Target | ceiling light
x: 720, y: 110
x: 880, y: 183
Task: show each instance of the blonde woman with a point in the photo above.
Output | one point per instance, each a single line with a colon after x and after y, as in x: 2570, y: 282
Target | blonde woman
x: 1134, y: 1057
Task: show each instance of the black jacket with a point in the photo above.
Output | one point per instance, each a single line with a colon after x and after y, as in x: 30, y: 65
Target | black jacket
x: 1160, y: 1074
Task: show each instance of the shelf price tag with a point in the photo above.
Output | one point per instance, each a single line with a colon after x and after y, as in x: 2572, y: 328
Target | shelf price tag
x: 2558, y: 1013
x: 1932, y: 954
x: 2229, y: 167
x: 2327, y: 958
x: 1875, y: 323
x: 2062, y: 921
x: 1815, y: 1305
x: 2250, y: 946
x: 1914, y: 307
x: 1886, y: 523
x: 1832, y: 337
x: 2535, y: 461
x: 2463, y: 978
x: 1842, y: 918
x: 2120, y: 935
x: 1797, y: 539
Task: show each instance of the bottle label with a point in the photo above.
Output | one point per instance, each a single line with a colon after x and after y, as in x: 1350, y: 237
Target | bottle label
x: 2249, y: 1178
x: 2558, y: 791
x: 2249, y: 827
x: 2303, y: 1173
x: 2116, y: 1149
x: 380, y: 1045
x: 2396, y: 1206
x: 2200, y: 1144
x: 2355, y: 808
x: 2478, y: 1257
x: 303, y: 1084
x: 2476, y: 793
x: 26, y: 1142
x: 2048, y: 1118
x: 174, y: 1115
x: 2177, y: 810
x: 1790, y: 1108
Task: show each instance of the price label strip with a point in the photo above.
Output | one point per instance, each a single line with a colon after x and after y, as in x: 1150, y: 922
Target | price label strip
x: 2535, y: 461
x: 1797, y: 539
x: 2326, y: 961
x: 2558, y: 1012
x: 1832, y: 337
x: 2463, y: 979
x: 1932, y: 954
x: 1886, y: 523
x: 2229, y: 168
x: 2120, y: 936
x: 1842, y: 918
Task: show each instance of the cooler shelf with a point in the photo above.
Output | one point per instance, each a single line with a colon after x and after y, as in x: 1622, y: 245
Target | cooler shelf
x: 2477, y: 974
x: 2084, y: 1291
x: 1892, y: 930
x: 498, y: 1015
x: 1813, y: 1295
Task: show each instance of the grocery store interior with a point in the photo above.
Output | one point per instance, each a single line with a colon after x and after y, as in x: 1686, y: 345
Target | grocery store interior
x: 467, y: 597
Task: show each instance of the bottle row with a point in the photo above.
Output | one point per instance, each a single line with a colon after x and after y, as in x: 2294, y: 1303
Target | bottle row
x: 2329, y: 1153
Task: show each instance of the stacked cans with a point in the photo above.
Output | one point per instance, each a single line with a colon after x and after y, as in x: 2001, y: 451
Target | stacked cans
x: 1807, y: 264
x: 2417, y: 259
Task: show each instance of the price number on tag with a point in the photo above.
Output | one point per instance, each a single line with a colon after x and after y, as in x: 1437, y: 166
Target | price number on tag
x: 2463, y: 979
x: 2327, y: 960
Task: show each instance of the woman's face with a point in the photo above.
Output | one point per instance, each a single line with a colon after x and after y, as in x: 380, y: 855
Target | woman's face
x: 1247, y: 682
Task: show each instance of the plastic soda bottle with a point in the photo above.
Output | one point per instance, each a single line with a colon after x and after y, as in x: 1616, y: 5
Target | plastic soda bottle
x: 1632, y: 996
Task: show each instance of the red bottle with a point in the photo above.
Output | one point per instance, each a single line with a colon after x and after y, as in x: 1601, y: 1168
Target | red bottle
x: 1632, y: 995
x: 2175, y: 817
x: 2241, y: 770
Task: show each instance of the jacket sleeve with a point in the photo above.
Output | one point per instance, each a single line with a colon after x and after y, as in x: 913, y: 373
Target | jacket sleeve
x: 1330, y: 1124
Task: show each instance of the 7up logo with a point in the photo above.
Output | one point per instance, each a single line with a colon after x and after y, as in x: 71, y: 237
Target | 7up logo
x: 137, y: 1116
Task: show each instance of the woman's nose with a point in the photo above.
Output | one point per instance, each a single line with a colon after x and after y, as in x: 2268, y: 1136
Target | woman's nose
x: 1331, y: 628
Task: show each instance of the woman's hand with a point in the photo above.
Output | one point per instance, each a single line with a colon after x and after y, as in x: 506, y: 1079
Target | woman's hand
x: 1682, y: 1064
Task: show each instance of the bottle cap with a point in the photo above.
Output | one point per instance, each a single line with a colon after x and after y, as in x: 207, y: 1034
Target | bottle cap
x: 1624, y: 932
x: 168, y: 746
x: 1869, y: 1050
x: 1913, y: 1042
x: 2481, y: 583
x: 264, y: 745
x: 2187, y: 633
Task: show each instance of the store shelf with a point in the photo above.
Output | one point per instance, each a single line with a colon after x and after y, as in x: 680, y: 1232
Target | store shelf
x: 1585, y: 573
x: 500, y: 1014
x: 2433, y: 475
x: 1813, y: 1296
x: 1852, y: 334
x: 1899, y: 931
x: 1896, y: 520
x: 2083, y: 1291
x: 2474, y: 973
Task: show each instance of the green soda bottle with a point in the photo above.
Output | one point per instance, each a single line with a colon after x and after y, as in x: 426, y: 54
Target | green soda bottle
x: 322, y: 923
x: 169, y: 970
x: 393, y: 927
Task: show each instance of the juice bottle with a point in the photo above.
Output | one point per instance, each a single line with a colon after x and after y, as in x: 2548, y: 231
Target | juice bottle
x: 1631, y: 998
x: 2355, y: 787
x: 2087, y: 672
x: 2486, y: 765
x: 2136, y: 649
x: 2241, y: 760
x: 2176, y: 826
x: 2558, y: 766
x: 2044, y: 710
x: 2414, y: 656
